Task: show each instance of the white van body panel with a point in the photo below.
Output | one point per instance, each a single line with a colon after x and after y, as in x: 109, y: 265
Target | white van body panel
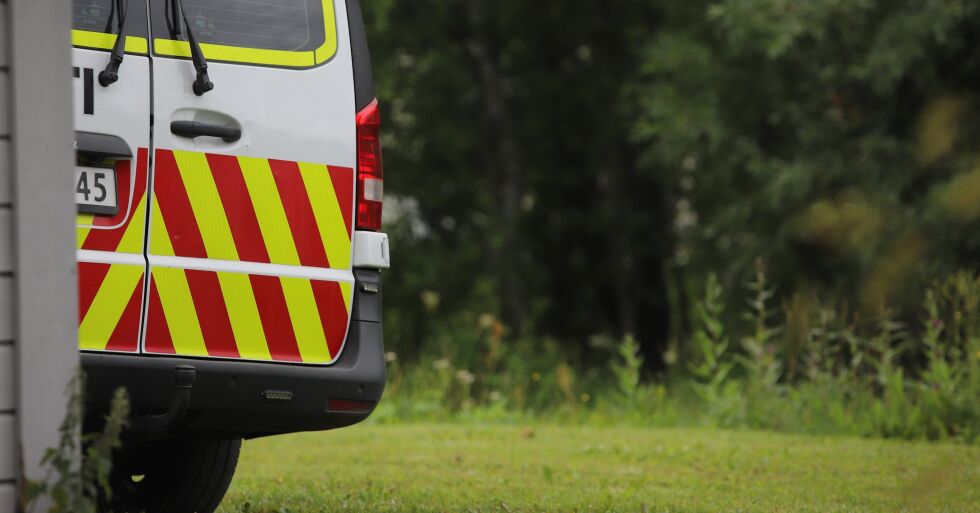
x: 292, y: 115
x: 122, y: 109
x: 111, y: 263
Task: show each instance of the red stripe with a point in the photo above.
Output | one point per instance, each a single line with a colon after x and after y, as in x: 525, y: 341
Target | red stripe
x: 170, y: 194
x: 211, y: 312
x: 238, y: 208
x: 299, y: 213
x: 158, y: 338
x: 90, y: 278
x: 108, y: 239
x: 343, y: 187
x: 276, y: 324
x: 333, y: 313
x: 126, y: 335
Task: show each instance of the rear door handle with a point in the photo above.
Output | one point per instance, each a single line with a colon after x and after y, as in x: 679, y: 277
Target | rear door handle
x: 194, y: 129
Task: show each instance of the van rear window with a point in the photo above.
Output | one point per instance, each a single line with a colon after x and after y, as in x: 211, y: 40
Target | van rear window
x: 292, y: 33
x: 93, y: 15
x: 271, y: 24
x: 94, y: 24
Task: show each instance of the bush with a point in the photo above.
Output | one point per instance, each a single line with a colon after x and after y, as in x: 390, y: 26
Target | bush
x: 72, y: 486
x: 871, y: 378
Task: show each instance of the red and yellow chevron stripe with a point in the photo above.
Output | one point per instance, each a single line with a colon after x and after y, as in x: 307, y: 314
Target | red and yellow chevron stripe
x: 244, y: 209
x: 109, y: 301
x: 232, y: 209
x: 252, y: 210
x: 110, y: 295
x: 250, y: 316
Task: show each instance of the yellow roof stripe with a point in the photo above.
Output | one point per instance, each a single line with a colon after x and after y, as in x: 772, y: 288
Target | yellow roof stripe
x: 228, y: 53
x: 103, y: 41
x: 244, y: 314
x: 269, y: 210
x: 310, y: 338
x: 326, y: 210
x: 83, y: 225
x: 235, y: 53
x: 178, y: 308
x: 329, y: 46
x: 132, y: 240
x: 206, y: 204
x: 107, y: 307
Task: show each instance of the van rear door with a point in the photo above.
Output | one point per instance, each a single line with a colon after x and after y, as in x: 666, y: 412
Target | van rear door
x: 252, y: 184
x: 112, y: 139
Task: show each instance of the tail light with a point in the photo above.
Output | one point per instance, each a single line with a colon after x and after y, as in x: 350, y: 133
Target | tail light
x: 370, y: 171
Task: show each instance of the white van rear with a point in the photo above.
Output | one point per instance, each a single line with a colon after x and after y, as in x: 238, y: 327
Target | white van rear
x: 229, y: 187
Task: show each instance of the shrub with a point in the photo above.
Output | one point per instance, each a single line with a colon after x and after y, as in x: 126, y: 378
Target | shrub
x: 818, y: 369
x: 72, y: 486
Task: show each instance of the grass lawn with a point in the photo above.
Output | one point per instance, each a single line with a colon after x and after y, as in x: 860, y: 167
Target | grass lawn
x: 458, y: 467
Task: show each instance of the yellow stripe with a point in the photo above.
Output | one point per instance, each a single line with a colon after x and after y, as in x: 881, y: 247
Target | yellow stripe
x: 159, y: 236
x: 83, y: 225
x: 236, y: 53
x: 175, y: 294
x: 107, y: 307
x: 310, y: 338
x: 269, y: 210
x: 326, y: 210
x: 178, y: 307
x: 244, y: 315
x: 132, y: 240
x: 206, y: 204
x: 346, y: 289
x: 301, y: 59
x: 105, y: 41
x: 329, y: 46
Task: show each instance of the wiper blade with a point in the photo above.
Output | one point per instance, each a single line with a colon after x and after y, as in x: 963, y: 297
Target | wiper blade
x: 202, y: 83
x: 110, y: 74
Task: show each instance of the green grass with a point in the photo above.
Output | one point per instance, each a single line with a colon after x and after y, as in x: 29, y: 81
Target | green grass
x: 459, y: 467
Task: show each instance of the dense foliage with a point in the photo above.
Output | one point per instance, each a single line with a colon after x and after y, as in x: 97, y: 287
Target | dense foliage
x: 562, y: 174
x: 841, y: 378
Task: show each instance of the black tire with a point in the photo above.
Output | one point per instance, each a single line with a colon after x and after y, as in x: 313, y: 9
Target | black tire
x: 179, y: 476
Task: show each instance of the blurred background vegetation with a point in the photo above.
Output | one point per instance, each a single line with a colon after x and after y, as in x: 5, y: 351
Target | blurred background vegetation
x: 760, y: 213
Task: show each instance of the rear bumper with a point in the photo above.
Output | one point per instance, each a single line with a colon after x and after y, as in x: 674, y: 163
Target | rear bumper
x: 229, y: 398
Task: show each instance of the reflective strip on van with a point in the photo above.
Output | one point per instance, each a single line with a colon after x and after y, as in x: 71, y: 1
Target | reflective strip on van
x: 252, y: 210
x: 103, y: 41
x: 248, y: 316
x: 109, y: 301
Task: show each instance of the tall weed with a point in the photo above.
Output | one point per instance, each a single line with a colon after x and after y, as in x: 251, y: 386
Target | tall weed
x: 713, y: 365
x: 810, y: 367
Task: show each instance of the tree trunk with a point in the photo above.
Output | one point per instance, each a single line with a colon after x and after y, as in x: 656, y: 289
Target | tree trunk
x: 507, y: 157
x: 621, y: 258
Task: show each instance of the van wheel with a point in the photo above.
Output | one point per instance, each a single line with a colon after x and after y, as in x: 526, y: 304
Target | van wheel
x: 175, y: 476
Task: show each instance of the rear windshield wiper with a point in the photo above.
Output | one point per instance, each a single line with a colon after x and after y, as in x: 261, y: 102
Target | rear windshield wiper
x: 202, y: 83
x: 110, y: 74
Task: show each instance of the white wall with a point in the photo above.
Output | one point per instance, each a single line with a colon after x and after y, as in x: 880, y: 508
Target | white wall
x: 38, y: 295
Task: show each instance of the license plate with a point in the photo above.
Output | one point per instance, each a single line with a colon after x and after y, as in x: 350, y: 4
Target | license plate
x: 95, y: 190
